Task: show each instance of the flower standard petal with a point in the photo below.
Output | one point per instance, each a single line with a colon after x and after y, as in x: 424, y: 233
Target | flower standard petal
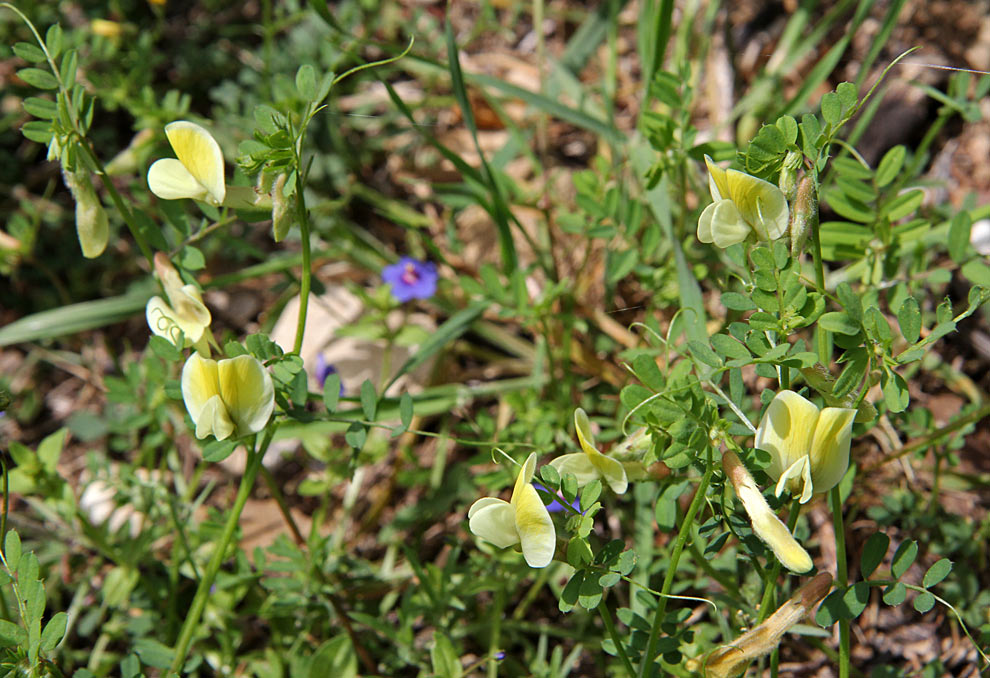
x: 829, y: 450
x: 190, y: 312
x: 535, y: 527
x: 786, y: 430
x: 170, y: 180
x: 525, y: 475
x: 199, y: 383
x: 762, y: 205
x: 717, y: 183
x: 494, y: 521
x: 199, y: 152
x: 161, y: 319
x: 247, y: 391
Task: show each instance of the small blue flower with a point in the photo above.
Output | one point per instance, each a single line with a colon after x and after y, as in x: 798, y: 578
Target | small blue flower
x: 556, y: 506
x: 411, y: 279
x: 324, y: 370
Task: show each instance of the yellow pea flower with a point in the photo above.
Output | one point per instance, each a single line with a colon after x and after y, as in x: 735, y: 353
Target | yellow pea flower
x: 809, y: 450
x: 767, y: 526
x: 521, y: 520
x: 591, y: 464
x: 184, y: 309
x: 233, y: 397
x: 743, y: 205
x: 198, y: 171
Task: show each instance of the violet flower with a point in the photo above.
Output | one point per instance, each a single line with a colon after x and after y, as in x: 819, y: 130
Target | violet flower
x: 556, y: 506
x: 411, y: 279
x: 324, y: 370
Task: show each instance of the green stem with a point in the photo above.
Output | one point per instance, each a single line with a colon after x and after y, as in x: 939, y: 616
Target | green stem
x: 842, y: 577
x: 254, y: 457
x: 610, y: 627
x: 646, y: 664
x: 822, y: 338
x: 307, y: 273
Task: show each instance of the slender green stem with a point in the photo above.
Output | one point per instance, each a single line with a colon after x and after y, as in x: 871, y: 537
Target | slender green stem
x: 189, y: 626
x: 610, y: 627
x: 842, y: 577
x: 307, y: 273
x: 646, y: 664
x: 822, y: 338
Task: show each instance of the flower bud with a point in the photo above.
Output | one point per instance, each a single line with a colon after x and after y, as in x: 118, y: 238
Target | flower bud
x: 282, y: 208
x: 787, y: 181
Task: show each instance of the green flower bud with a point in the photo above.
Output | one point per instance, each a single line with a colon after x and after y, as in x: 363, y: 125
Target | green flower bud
x: 805, y: 215
x: 92, y: 225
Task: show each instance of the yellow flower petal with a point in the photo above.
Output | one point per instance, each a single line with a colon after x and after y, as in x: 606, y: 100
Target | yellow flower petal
x: 525, y: 475
x: 214, y: 420
x: 535, y: 528
x: 170, y: 180
x: 766, y: 525
x: 161, y: 320
x: 717, y: 183
x: 829, y: 451
x: 582, y: 425
x: 611, y: 472
x: 727, y: 225
x: 762, y: 205
x: 705, y: 224
x: 247, y: 391
x: 786, y: 430
x: 579, y: 464
x: 797, y: 477
x: 494, y: 521
x: 200, y: 383
x: 199, y: 152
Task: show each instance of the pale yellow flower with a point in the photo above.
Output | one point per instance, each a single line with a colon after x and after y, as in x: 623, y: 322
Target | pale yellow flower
x: 766, y: 525
x: 743, y: 205
x: 591, y: 464
x: 184, y: 309
x: 225, y: 398
x: 809, y: 450
x: 523, y: 520
x: 196, y: 172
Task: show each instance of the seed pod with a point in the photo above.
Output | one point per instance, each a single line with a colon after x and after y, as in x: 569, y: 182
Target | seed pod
x: 92, y: 225
x: 805, y: 215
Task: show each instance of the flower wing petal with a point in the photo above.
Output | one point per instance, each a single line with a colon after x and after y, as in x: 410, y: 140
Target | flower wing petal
x: 190, y: 311
x: 170, y: 180
x: 200, y: 153
x: 214, y: 419
x: 494, y: 521
x: 248, y: 393
x: 830, y: 447
x: 579, y: 464
x: 727, y: 225
x: 199, y: 383
x: 161, y: 320
x: 800, y: 473
x: 582, y: 425
x: 535, y: 528
x: 612, y: 472
x: 786, y: 430
x: 705, y: 224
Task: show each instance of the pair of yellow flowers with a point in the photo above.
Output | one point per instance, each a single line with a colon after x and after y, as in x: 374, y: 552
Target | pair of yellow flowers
x: 809, y: 451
